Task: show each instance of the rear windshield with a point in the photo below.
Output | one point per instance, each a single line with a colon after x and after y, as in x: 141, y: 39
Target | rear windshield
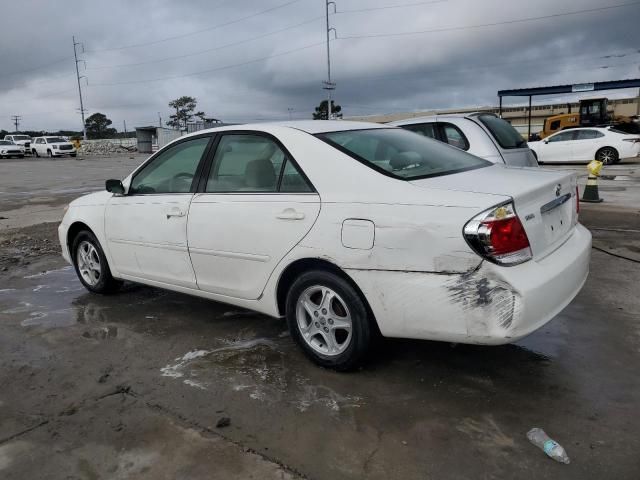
x: 402, y: 154
x: 503, y: 132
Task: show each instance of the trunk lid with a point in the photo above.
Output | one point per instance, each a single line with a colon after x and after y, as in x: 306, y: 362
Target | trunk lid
x: 545, y: 200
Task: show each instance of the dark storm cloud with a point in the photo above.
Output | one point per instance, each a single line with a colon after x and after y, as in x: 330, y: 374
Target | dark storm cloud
x: 445, y: 68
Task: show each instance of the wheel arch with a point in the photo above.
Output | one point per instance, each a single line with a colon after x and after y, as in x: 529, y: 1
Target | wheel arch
x: 74, y: 229
x: 297, y: 267
x: 610, y: 147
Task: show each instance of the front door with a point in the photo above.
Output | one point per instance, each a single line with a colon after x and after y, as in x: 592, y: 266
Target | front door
x: 557, y: 148
x: 146, y: 229
x: 255, y: 206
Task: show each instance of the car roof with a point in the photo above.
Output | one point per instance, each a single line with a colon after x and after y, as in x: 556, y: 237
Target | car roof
x: 309, y: 126
x: 436, y: 117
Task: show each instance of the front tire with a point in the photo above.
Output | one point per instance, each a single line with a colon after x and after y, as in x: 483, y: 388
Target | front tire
x: 91, y: 264
x: 49, y: 154
x: 35, y: 152
x: 607, y: 155
x: 329, y: 320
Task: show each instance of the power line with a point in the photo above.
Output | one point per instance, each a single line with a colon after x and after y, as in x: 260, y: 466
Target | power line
x: 487, y: 66
x: 493, y: 24
x: 217, y: 69
x: 214, y: 27
x: 389, y: 7
x: 219, y: 47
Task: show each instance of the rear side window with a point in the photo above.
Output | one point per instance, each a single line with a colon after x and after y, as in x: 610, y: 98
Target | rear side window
x: 454, y: 136
x: 506, y: 136
x: 253, y: 163
x: 588, y: 134
x: 425, y: 129
x: 401, y: 154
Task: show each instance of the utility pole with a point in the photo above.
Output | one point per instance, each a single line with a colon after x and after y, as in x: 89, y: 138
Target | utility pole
x: 328, y: 84
x: 290, y: 110
x: 16, y: 121
x: 125, y: 128
x: 75, y: 55
x: 159, y: 120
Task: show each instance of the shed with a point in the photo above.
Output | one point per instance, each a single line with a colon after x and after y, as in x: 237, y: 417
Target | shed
x: 158, y: 137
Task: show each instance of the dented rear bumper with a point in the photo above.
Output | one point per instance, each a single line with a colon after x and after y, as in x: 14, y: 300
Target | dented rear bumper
x: 491, y: 305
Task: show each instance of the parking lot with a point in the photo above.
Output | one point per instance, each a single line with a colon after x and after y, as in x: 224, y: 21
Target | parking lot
x: 134, y: 385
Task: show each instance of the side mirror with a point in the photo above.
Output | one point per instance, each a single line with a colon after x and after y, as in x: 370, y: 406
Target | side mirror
x: 114, y: 186
x: 546, y: 141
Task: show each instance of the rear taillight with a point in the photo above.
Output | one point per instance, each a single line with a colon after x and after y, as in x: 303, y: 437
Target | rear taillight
x: 577, y: 201
x: 634, y: 140
x: 498, y: 235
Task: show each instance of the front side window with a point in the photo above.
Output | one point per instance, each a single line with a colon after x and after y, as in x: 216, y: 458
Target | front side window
x: 554, y: 125
x: 562, y: 137
x: 253, y: 163
x: 504, y: 133
x: 402, y: 154
x: 172, y: 171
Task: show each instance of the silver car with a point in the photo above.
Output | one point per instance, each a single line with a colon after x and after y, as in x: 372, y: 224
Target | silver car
x: 482, y: 134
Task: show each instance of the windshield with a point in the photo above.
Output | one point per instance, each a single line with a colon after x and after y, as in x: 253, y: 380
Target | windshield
x: 21, y: 137
x: 402, y: 154
x: 55, y: 140
x: 5, y: 142
x: 502, y: 131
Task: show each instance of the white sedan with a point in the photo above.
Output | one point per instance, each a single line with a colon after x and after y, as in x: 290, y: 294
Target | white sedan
x: 349, y: 230
x: 581, y: 145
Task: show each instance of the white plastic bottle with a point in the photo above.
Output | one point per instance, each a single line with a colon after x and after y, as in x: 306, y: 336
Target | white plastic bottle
x: 552, y: 448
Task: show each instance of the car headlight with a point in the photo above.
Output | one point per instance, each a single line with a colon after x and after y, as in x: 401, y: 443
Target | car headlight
x: 55, y: 147
x: 3, y: 151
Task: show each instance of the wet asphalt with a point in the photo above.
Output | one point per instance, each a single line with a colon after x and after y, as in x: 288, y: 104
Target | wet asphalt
x: 419, y: 409
x: 132, y: 386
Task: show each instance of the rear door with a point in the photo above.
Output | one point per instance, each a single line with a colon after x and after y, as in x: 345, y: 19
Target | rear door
x: 252, y: 207
x: 585, y: 144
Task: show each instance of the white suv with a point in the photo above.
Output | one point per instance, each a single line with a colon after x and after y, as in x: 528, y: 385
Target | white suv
x: 482, y: 134
x: 52, y: 147
x: 23, y: 140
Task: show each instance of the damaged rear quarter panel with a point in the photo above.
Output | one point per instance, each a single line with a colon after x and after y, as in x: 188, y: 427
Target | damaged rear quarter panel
x: 413, y: 238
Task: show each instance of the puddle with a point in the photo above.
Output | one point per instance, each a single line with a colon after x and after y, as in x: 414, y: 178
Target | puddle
x: 257, y: 369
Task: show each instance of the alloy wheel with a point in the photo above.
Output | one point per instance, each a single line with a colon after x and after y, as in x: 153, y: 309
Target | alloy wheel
x: 88, y: 262
x: 607, y: 156
x: 324, y: 320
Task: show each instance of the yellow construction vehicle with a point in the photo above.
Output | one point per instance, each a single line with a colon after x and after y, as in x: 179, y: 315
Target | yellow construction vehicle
x: 592, y: 113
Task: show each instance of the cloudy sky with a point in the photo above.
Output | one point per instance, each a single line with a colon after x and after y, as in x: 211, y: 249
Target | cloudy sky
x: 250, y: 60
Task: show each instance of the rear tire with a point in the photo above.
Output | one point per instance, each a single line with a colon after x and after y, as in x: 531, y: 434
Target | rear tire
x: 91, y: 264
x: 607, y: 155
x: 329, y: 320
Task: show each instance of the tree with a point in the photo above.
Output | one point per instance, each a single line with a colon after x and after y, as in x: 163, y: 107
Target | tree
x: 185, y: 107
x: 98, y: 126
x: 321, y: 111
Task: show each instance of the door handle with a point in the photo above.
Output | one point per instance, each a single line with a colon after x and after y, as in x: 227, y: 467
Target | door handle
x: 175, y: 212
x: 290, y: 214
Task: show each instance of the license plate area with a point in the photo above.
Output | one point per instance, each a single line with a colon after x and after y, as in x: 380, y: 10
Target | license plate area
x: 557, y: 221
